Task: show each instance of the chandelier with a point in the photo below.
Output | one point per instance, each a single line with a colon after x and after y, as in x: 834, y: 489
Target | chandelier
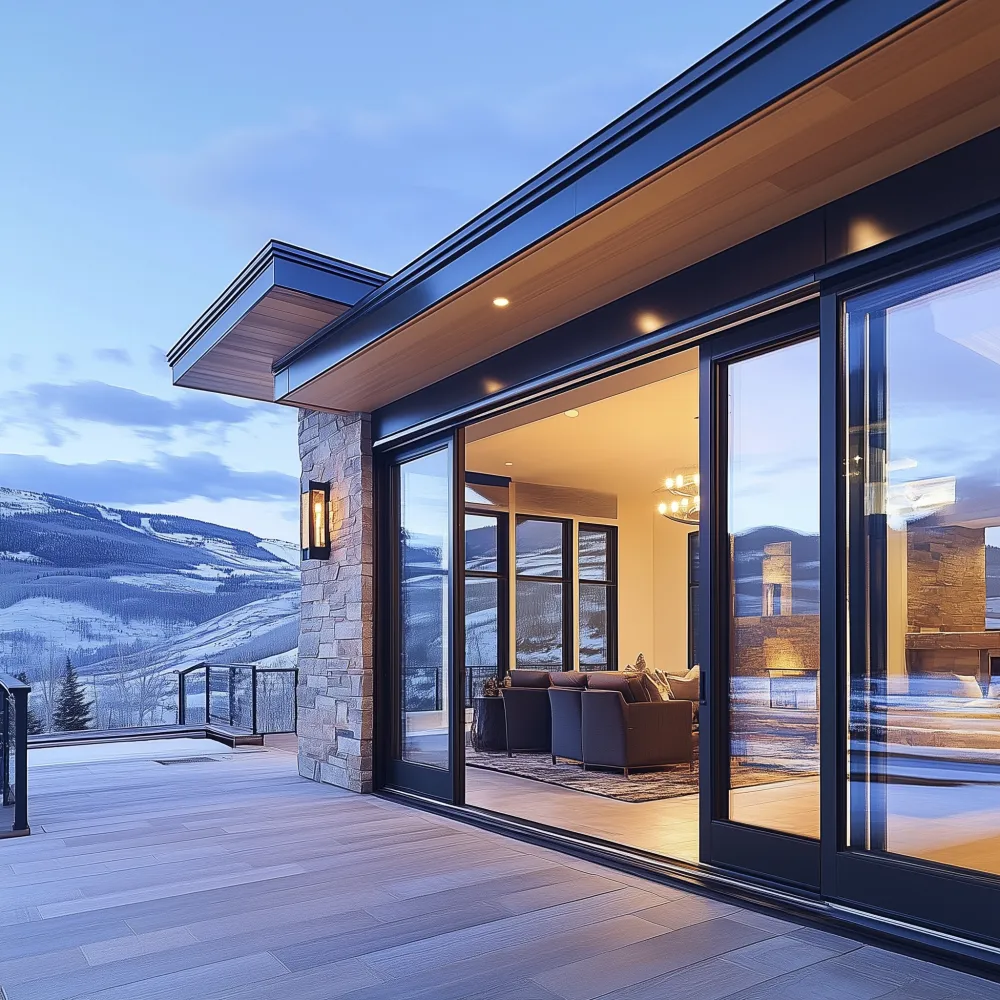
x: 679, y: 498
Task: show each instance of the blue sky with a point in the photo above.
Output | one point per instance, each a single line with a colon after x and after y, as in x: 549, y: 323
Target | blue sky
x: 151, y: 149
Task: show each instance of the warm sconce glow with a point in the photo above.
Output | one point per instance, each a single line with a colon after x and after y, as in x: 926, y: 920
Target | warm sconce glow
x: 501, y: 302
x: 572, y: 413
x: 649, y: 322
x: 315, y: 521
x: 866, y: 232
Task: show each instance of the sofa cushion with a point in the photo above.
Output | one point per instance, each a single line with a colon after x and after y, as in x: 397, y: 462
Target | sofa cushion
x: 652, y: 691
x: 682, y: 688
x: 568, y: 678
x: 529, y: 678
x: 630, y: 688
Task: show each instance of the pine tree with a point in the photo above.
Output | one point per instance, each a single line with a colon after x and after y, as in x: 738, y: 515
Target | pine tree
x: 34, y: 723
x: 72, y: 710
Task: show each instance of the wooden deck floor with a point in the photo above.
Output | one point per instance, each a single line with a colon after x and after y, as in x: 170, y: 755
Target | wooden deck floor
x: 233, y: 878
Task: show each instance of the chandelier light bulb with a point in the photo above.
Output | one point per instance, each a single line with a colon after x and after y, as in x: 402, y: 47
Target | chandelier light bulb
x: 679, y: 499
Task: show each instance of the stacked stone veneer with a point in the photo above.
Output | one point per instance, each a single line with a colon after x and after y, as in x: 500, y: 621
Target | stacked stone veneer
x: 946, y: 578
x: 336, y: 642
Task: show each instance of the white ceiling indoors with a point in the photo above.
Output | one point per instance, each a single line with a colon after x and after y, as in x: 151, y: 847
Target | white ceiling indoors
x: 633, y: 430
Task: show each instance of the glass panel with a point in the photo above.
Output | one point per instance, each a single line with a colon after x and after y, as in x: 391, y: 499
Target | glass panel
x: 773, y: 515
x: 425, y: 554
x: 539, y: 624
x: 539, y: 547
x: 594, y: 555
x: 594, y: 600
x: 481, y: 543
x: 925, y: 722
x: 481, y: 615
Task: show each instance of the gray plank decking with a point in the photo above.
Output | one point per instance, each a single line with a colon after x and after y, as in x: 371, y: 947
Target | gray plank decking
x: 236, y: 879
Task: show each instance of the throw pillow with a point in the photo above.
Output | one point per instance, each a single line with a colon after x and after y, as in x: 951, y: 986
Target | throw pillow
x: 682, y: 688
x: 652, y: 691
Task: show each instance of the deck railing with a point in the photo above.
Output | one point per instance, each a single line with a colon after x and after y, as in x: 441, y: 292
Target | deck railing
x: 242, y: 697
x: 13, y: 756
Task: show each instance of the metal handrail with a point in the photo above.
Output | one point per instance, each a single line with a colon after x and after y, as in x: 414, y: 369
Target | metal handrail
x: 14, y: 744
x: 230, y: 719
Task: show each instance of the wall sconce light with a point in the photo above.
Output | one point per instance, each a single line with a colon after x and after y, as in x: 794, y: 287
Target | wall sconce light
x: 315, y: 521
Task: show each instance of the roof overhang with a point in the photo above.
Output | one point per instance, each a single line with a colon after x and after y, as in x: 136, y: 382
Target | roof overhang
x: 818, y: 99
x: 276, y: 303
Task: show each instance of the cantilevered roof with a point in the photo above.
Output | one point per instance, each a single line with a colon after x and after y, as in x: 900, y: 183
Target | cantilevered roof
x: 817, y: 99
x: 280, y: 299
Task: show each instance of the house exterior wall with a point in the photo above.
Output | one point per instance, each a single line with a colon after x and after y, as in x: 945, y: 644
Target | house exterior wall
x: 336, y: 644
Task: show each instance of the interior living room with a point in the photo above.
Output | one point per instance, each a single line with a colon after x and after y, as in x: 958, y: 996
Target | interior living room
x: 582, y: 576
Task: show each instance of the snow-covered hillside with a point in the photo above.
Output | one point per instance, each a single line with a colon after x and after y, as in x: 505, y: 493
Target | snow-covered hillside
x: 102, y: 584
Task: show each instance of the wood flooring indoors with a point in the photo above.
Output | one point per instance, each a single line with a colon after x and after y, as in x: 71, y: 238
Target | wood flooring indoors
x: 231, y: 877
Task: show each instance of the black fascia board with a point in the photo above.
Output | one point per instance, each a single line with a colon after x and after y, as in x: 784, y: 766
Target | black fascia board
x: 276, y: 265
x: 796, y: 42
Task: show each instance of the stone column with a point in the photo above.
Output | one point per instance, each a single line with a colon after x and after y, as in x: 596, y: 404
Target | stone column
x: 336, y: 641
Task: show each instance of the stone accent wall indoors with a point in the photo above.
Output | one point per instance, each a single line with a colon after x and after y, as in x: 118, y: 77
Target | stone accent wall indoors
x: 336, y: 641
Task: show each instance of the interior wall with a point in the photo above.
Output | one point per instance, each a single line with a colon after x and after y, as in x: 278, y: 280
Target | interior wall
x: 653, y: 586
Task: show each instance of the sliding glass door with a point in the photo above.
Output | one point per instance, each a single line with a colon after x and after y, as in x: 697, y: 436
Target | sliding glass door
x: 424, y: 637
x: 761, y: 788
x: 921, y: 832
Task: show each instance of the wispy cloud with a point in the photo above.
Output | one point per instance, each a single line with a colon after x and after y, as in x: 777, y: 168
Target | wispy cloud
x: 100, y: 402
x: 380, y: 186
x: 115, y: 355
x: 64, y: 363
x: 167, y: 479
x: 16, y: 362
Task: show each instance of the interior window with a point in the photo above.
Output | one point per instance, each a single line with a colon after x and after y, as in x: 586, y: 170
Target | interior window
x: 597, y: 570
x: 542, y: 563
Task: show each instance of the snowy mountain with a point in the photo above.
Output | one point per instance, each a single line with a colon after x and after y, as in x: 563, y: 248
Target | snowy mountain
x: 98, y: 584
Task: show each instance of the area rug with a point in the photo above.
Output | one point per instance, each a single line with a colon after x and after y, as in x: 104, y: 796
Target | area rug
x: 640, y: 786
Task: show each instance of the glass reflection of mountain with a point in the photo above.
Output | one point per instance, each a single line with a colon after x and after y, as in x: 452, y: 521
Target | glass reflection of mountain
x: 749, y: 551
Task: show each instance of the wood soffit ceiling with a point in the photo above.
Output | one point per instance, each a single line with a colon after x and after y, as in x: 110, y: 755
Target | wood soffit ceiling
x: 927, y: 88
x: 240, y: 363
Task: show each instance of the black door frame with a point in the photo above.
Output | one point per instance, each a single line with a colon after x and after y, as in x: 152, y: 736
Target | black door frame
x: 444, y: 785
x: 756, y: 851
x: 953, y: 900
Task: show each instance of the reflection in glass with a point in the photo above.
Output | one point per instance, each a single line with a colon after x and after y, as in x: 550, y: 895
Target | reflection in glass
x: 424, y: 565
x: 539, y: 624
x: 773, y: 525
x: 925, y: 702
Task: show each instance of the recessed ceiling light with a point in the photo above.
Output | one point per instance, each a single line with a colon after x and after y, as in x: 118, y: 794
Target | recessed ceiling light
x: 501, y: 302
x: 508, y: 463
x: 572, y: 413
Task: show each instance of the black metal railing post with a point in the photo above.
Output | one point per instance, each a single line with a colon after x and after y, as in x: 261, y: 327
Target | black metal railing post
x: 14, y: 743
x: 21, y: 759
x: 253, y: 697
x: 181, y: 698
